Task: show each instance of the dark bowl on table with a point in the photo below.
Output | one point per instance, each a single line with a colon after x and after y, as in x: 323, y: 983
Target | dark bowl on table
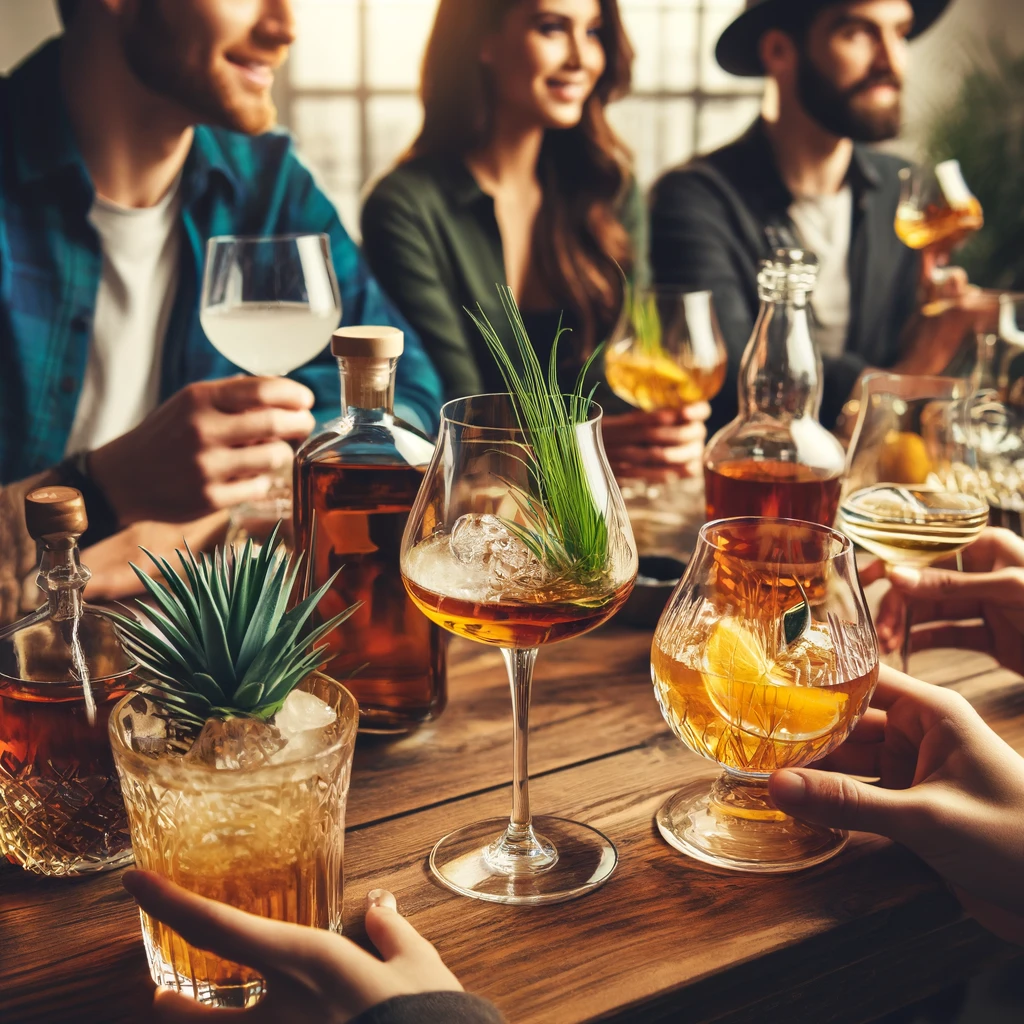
x: 657, y: 576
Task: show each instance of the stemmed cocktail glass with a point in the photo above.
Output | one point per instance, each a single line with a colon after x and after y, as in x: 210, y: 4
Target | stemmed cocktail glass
x: 912, y: 494
x: 270, y: 305
x: 765, y: 658
x: 495, y: 553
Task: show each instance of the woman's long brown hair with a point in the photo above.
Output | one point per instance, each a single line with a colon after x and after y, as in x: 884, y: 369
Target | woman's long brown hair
x: 580, y: 244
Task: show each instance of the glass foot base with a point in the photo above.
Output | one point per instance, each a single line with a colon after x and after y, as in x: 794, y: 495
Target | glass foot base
x: 734, y: 825
x: 568, y: 860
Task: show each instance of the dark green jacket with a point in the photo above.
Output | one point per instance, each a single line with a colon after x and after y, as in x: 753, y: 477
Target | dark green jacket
x: 432, y: 240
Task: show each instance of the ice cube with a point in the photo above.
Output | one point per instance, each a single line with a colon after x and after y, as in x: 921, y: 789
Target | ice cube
x: 235, y: 744
x: 485, y: 541
x: 301, y: 722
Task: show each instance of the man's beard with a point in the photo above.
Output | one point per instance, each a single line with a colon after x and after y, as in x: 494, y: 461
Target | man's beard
x: 172, y: 65
x: 833, y: 108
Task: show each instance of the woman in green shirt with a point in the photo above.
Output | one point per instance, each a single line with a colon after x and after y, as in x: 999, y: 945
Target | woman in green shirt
x: 517, y: 178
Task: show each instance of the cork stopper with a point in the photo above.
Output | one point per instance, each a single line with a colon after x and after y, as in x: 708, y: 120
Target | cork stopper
x: 55, y: 513
x: 368, y: 342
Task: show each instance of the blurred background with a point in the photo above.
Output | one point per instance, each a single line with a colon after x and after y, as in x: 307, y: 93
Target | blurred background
x: 348, y: 94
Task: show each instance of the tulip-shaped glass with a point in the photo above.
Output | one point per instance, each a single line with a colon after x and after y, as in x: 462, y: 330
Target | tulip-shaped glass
x: 519, y: 538
x: 765, y: 658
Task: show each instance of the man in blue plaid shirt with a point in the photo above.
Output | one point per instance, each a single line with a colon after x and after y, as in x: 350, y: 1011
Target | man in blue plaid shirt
x: 124, y: 146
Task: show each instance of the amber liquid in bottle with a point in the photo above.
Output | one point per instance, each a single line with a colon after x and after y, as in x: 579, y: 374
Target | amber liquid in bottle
x: 772, y: 488
x: 62, y: 670
x: 386, y: 653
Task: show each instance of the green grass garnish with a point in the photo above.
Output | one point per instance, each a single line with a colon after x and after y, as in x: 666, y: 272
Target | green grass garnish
x: 566, y: 530
x: 645, y: 321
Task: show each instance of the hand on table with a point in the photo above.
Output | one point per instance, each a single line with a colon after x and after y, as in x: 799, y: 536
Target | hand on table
x: 313, y: 976
x: 657, y: 446
x: 112, y: 575
x: 950, y: 790
x: 942, y: 600
x: 212, y: 445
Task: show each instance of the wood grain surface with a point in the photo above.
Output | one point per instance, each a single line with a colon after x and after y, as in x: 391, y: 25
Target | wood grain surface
x: 664, y: 940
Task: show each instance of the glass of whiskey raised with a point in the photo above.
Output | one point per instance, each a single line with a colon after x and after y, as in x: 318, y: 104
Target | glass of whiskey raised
x: 765, y: 658
x: 261, y: 827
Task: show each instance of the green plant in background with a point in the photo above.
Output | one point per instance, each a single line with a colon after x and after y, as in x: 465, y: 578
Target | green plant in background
x: 567, y: 531
x: 983, y: 128
x: 223, y: 645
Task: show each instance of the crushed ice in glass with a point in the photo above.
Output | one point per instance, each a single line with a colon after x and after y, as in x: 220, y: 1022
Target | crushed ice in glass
x: 235, y: 744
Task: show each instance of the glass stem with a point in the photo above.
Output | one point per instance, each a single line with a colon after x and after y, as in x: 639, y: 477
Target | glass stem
x: 520, y: 850
x: 520, y: 676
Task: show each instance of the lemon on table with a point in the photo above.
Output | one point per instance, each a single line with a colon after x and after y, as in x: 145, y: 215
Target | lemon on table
x: 904, y: 458
x: 759, y: 697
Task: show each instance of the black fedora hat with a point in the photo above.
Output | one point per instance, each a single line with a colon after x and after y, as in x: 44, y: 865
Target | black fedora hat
x: 737, y: 49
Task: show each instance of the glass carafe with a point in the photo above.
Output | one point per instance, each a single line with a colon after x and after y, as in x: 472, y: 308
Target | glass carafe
x: 775, y: 459
x: 61, y: 671
x: 355, y: 483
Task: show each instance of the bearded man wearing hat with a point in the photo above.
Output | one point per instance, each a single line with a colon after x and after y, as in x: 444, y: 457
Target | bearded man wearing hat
x: 803, y: 176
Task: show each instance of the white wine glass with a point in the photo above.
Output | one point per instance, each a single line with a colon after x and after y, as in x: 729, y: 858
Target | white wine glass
x: 912, y: 493
x: 269, y: 305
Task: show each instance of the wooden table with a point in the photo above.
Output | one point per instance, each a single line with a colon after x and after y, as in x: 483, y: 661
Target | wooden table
x: 664, y: 940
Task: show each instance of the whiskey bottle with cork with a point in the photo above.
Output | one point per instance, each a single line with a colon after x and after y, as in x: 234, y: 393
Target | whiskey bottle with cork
x: 355, y: 483
x: 775, y: 459
x: 62, y: 670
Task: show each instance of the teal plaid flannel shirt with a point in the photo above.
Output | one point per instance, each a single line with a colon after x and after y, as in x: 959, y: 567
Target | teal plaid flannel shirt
x: 50, y: 266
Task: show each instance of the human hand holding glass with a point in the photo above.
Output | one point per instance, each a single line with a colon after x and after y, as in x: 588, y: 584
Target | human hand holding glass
x: 764, y: 659
x: 946, y: 605
x: 667, y: 360
x: 269, y: 305
x: 949, y: 788
x: 313, y: 975
x: 519, y: 538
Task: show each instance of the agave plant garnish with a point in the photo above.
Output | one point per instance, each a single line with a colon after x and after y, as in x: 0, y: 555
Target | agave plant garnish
x: 224, y: 645
x: 566, y: 530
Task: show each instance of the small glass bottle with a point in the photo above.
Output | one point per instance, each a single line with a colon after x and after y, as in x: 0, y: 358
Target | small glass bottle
x: 775, y: 458
x: 355, y: 483
x: 62, y: 670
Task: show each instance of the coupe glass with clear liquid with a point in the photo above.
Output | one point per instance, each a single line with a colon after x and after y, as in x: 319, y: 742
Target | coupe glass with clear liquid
x: 765, y: 658
x: 483, y: 557
x: 269, y: 305
x: 912, y: 493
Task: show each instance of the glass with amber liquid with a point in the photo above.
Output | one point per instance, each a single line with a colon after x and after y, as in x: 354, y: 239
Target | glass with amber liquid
x: 936, y: 206
x: 354, y: 486
x: 776, y: 459
x: 259, y: 826
x: 491, y: 556
x: 669, y: 351
x: 765, y: 658
x: 62, y: 669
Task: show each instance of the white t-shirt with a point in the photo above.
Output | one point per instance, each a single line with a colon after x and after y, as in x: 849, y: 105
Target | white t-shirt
x: 825, y: 224
x: 141, y: 250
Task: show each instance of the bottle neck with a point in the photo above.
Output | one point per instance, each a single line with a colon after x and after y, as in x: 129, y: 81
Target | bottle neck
x: 367, y: 387
x: 781, y: 371
x: 62, y: 577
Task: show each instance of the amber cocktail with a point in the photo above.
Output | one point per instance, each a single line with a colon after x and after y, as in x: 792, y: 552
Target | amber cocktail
x: 256, y: 819
x: 765, y: 658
